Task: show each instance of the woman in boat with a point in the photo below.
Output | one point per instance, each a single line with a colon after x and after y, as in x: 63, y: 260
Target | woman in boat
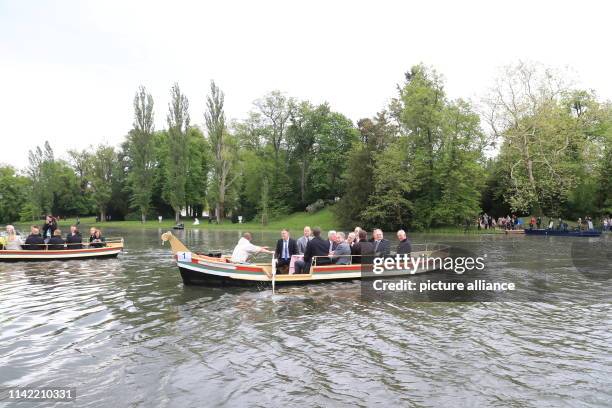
x: 56, y: 242
x: 97, y: 240
x: 13, y: 242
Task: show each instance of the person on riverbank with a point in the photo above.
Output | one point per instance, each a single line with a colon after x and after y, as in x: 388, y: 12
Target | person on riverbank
x: 245, y: 249
x: 56, y: 242
x: 12, y: 242
x: 34, y: 242
x: 74, y: 240
x: 404, y: 247
x: 303, y: 240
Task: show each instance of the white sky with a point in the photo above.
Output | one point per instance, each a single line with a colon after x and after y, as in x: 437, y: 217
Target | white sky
x: 69, y: 69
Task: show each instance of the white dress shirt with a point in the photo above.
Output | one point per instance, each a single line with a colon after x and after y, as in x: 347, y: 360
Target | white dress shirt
x: 243, y: 250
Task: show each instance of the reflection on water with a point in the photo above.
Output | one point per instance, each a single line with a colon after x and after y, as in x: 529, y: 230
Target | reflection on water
x: 127, y: 332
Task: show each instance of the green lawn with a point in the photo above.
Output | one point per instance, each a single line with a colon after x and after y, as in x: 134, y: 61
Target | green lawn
x: 294, y: 222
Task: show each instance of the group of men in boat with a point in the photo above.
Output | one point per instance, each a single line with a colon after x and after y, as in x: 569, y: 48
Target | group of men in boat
x: 339, y: 248
x: 51, y: 238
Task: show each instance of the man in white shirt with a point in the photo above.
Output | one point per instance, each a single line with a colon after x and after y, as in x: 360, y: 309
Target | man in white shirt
x: 245, y: 249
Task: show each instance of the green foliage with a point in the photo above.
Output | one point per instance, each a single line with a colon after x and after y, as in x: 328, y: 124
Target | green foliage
x: 14, y: 191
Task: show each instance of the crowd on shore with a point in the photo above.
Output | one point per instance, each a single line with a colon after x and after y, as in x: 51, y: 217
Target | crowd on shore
x: 49, y: 237
x: 512, y: 222
x: 339, y: 248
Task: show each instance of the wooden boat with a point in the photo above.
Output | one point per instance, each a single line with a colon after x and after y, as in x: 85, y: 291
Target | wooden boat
x: 112, y: 249
x: 199, y: 269
x: 563, y: 233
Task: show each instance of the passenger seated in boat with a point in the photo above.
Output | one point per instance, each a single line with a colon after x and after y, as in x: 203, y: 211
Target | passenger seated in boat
x: 316, y: 247
x: 34, y: 242
x: 56, y: 243
x: 303, y: 240
x: 404, y: 246
x: 74, y: 239
x: 342, y: 248
x: 12, y: 242
x: 92, y: 232
x: 245, y: 249
x: 286, y: 247
x: 382, y: 246
x: 97, y: 240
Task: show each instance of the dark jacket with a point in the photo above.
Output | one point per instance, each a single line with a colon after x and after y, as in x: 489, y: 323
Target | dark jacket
x: 49, y: 227
x: 383, y: 248
x: 404, y: 247
x: 100, y: 244
x: 56, y: 244
x: 292, y: 248
x: 34, y: 243
x: 317, y: 247
x: 75, y: 241
x: 362, y: 248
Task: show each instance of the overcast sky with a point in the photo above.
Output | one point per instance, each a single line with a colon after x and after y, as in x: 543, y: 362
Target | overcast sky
x: 69, y: 69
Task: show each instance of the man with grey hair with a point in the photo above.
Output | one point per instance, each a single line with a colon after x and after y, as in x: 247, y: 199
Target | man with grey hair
x: 404, y: 246
x: 331, y: 237
x: 382, y: 247
x: 342, y: 248
x: 303, y: 240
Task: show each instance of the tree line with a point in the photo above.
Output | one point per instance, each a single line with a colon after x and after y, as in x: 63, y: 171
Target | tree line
x: 535, y: 145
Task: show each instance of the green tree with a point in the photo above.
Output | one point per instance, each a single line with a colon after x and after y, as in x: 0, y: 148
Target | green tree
x: 176, y: 170
x: 139, y: 149
x: 14, y: 191
x: 101, y: 173
x: 223, y: 147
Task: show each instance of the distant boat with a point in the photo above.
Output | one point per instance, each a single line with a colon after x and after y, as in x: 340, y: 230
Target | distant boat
x: 179, y: 227
x: 198, y: 269
x: 563, y: 233
x: 516, y: 231
x: 111, y: 250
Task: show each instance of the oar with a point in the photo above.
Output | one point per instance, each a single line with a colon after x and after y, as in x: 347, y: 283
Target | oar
x: 273, y: 273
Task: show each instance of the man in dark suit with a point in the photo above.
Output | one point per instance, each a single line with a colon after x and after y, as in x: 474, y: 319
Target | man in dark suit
x: 363, y: 250
x: 34, y: 241
x: 285, y: 248
x: 316, y: 247
x: 382, y: 247
x: 404, y: 246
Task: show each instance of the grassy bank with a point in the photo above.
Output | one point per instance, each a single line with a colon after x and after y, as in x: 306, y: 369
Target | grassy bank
x: 294, y: 222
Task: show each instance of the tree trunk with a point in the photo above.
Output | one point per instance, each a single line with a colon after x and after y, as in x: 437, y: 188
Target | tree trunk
x: 102, y: 215
x: 177, y: 216
x: 303, y: 182
x: 143, y: 218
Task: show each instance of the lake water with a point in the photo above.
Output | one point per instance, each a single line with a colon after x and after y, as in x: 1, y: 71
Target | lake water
x: 126, y: 332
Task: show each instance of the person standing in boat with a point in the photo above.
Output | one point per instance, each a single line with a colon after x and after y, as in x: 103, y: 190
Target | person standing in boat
x: 74, y: 239
x: 34, y: 242
x: 303, y: 240
x: 286, y: 247
x: 245, y: 249
x: 49, y: 228
x: 97, y: 240
x: 404, y: 246
x: 13, y: 242
x: 56, y: 243
x: 316, y: 247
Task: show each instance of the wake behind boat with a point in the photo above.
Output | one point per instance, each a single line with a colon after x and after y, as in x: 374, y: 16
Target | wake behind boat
x: 199, y: 269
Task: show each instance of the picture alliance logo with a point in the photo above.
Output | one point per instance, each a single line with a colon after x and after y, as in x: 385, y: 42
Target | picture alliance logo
x: 414, y: 264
